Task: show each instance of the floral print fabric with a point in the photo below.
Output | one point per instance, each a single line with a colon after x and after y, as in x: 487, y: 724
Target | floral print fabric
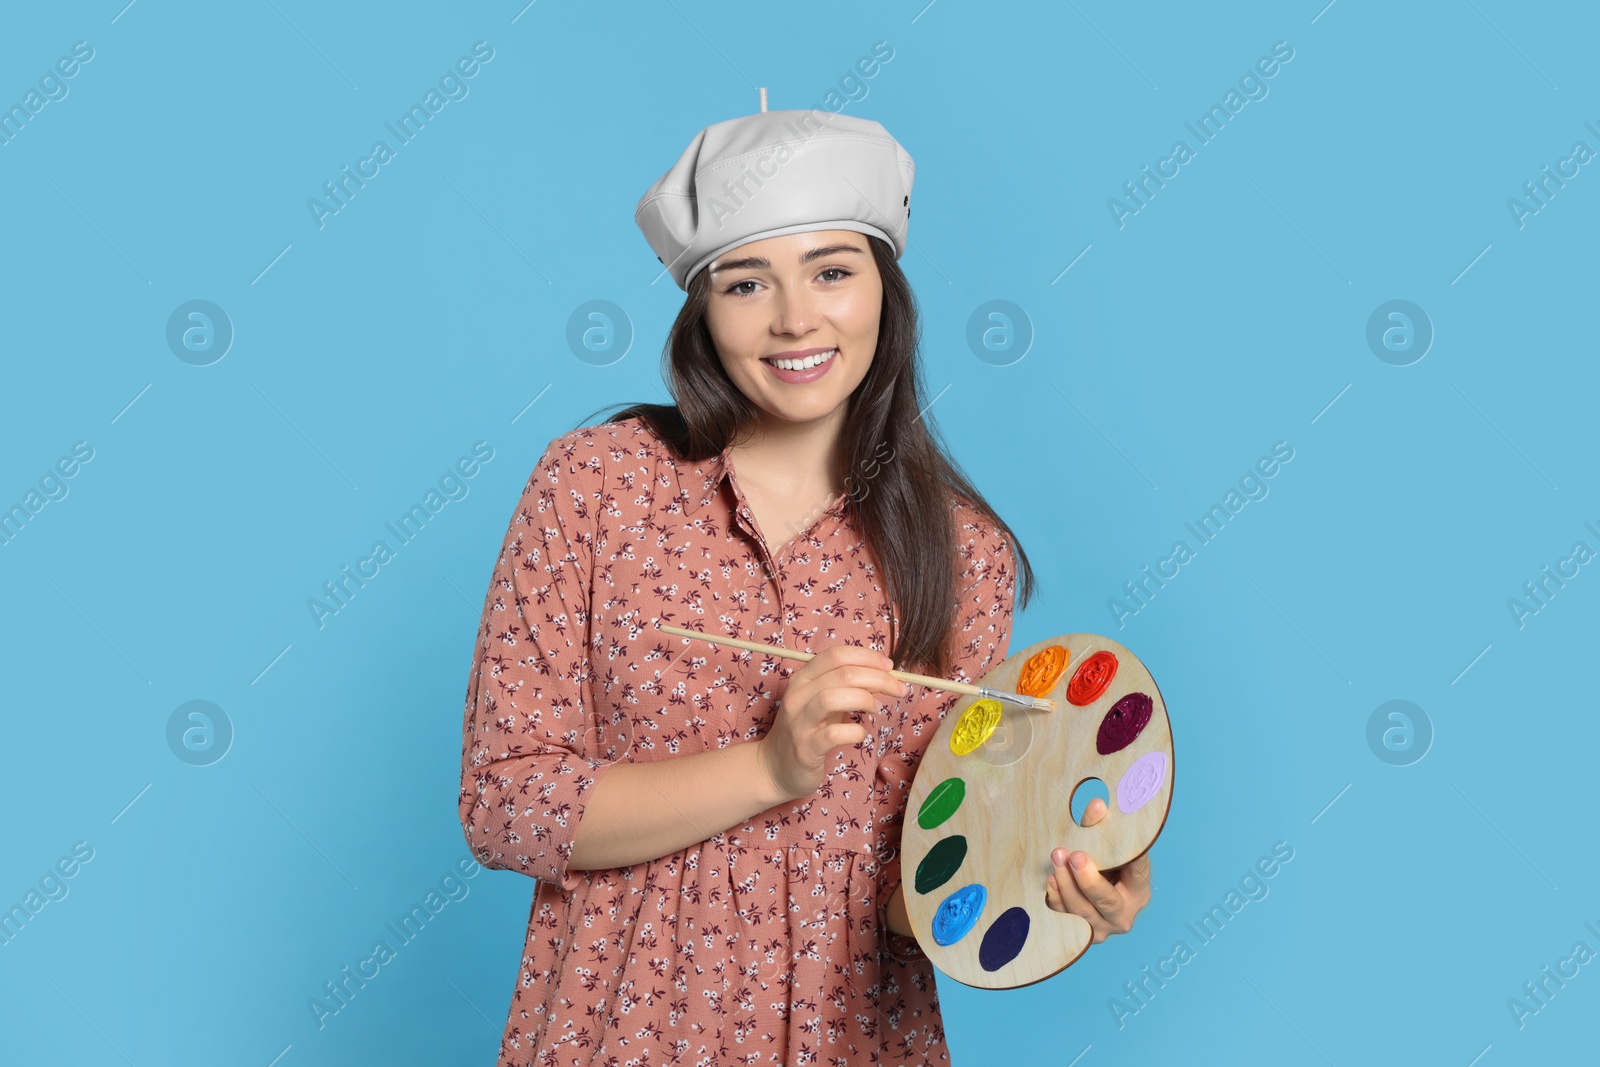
x: 765, y: 943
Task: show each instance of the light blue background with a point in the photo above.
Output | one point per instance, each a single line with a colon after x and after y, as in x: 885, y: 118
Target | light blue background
x: 1227, y: 315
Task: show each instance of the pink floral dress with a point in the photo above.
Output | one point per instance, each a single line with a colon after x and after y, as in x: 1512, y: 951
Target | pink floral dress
x: 766, y: 943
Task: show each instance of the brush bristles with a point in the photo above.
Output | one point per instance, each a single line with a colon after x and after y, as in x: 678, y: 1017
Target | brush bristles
x: 1036, y: 703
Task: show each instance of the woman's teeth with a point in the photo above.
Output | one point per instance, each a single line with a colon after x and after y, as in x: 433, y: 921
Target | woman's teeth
x: 804, y: 364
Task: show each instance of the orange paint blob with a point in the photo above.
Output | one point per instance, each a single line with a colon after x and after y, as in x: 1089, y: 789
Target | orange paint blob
x: 1042, y: 671
x: 1092, y: 677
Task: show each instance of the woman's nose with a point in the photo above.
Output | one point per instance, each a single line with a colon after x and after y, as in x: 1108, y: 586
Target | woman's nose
x: 794, y: 312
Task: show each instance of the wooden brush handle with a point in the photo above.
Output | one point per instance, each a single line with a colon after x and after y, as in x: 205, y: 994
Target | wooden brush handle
x: 788, y: 653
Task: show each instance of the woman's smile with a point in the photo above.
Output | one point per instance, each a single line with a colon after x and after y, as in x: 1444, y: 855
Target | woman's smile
x: 805, y: 366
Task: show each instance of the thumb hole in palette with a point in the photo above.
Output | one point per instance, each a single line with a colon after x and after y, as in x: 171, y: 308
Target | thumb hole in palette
x: 1086, y: 791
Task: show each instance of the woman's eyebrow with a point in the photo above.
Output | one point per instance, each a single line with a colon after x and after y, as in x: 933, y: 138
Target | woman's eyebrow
x: 762, y: 263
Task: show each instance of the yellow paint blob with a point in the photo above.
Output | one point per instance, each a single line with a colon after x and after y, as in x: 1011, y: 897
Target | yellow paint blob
x: 975, y: 726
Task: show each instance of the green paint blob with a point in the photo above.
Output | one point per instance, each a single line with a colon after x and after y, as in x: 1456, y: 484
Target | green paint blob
x: 940, y: 864
x: 941, y: 803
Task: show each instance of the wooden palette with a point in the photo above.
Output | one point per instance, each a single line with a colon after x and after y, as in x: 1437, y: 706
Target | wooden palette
x: 992, y: 799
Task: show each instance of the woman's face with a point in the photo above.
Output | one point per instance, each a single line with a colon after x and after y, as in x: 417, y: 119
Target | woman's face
x: 799, y: 297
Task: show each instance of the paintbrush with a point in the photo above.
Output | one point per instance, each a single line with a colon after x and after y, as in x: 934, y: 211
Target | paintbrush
x: 1038, y: 703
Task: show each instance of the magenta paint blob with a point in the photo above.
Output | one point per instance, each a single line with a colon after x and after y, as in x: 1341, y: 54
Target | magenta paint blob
x: 1123, y: 723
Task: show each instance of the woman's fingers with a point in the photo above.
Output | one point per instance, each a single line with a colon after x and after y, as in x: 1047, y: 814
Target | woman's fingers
x: 835, y: 656
x: 1105, y: 897
x: 1108, y: 900
x: 841, y: 727
x: 845, y: 692
x: 873, y: 679
x: 820, y: 710
x: 841, y: 735
x: 1052, y: 896
x: 1084, y: 891
x: 854, y: 666
x: 1135, y: 878
x: 1069, y: 895
x: 1095, y: 811
x: 837, y: 705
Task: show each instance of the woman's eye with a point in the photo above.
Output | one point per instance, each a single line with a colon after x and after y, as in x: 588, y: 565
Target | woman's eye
x: 738, y: 288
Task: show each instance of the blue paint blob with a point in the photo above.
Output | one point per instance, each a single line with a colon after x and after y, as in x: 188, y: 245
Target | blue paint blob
x: 1004, y: 939
x: 958, y: 914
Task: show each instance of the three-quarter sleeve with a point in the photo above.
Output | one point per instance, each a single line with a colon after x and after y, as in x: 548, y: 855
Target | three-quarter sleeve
x: 525, y: 773
x: 986, y: 588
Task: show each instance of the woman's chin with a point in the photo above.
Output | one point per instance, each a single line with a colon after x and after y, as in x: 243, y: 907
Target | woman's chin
x: 800, y: 412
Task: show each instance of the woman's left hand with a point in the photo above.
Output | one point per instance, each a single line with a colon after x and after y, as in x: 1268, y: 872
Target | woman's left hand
x: 1108, y: 900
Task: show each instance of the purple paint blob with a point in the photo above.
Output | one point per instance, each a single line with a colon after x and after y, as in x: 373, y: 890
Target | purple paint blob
x: 1141, y: 782
x: 1123, y: 723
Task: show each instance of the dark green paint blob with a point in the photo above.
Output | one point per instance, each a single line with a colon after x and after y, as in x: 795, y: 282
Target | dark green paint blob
x: 941, y: 803
x: 940, y: 863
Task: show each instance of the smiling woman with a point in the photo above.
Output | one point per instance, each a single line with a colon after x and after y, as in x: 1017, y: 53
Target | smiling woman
x: 824, y: 289
x: 716, y: 834
x: 794, y: 436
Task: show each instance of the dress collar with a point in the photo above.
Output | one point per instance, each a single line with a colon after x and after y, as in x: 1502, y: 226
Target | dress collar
x: 698, y: 482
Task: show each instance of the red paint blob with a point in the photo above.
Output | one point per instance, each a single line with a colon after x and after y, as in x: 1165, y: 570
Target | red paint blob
x: 1091, y: 678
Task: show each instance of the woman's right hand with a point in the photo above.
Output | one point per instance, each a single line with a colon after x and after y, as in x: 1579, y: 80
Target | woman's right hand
x: 815, y: 715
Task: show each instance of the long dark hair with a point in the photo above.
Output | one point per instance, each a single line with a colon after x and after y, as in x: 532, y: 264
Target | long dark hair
x: 903, y: 513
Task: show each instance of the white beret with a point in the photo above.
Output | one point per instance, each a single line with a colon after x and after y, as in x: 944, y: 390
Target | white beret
x: 775, y: 173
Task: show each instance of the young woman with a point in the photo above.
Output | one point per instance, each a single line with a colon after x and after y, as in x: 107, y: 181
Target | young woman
x: 715, y: 832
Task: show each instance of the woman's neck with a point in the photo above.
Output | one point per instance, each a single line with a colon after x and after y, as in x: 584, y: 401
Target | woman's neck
x: 796, y: 460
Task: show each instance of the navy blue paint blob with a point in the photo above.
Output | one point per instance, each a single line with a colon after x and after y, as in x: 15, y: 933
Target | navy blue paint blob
x: 1004, y: 939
